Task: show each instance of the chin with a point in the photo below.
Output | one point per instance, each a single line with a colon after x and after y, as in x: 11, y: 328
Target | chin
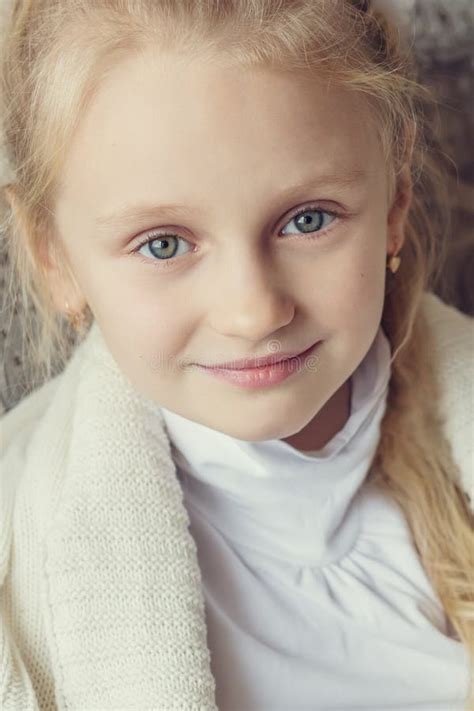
x: 272, y: 430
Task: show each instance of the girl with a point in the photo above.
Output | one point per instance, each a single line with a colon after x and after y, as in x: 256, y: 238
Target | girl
x: 249, y: 486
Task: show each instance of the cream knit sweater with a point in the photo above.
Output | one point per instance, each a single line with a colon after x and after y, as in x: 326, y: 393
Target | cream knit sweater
x: 101, y: 605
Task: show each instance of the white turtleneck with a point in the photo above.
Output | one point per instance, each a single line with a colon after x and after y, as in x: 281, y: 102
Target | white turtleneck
x: 315, y: 596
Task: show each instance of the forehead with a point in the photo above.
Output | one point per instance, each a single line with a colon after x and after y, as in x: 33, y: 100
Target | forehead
x: 164, y: 126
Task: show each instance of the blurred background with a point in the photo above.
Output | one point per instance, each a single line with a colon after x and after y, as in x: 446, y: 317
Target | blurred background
x: 441, y: 33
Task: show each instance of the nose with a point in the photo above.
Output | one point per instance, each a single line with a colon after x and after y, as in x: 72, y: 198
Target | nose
x: 247, y: 302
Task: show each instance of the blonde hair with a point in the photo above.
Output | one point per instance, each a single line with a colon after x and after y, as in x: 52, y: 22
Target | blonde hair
x: 55, y: 57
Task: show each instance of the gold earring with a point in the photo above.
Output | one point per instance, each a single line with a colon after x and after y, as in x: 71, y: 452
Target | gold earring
x: 393, y: 263
x: 76, y: 319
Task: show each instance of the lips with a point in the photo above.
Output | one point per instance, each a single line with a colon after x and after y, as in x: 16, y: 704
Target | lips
x: 264, y: 376
x: 255, y: 363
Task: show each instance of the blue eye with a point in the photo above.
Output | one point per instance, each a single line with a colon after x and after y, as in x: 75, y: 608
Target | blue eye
x: 164, y: 248
x: 308, y: 224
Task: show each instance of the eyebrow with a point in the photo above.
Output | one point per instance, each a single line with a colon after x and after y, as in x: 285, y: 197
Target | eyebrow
x: 142, y: 212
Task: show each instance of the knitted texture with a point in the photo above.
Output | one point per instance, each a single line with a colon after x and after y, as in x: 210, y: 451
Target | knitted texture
x: 101, y: 603
x: 103, y: 594
x: 454, y: 355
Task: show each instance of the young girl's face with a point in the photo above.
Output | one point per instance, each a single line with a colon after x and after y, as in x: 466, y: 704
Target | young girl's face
x: 238, y: 153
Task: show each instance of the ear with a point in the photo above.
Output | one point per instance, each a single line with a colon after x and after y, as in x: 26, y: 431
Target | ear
x: 61, y: 281
x: 398, y: 211
x: 48, y: 256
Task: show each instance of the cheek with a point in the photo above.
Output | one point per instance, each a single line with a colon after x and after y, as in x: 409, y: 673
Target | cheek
x: 348, y: 286
x: 360, y: 311
x: 144, y: 327
x: 140, y: 312
x: 364, y: 282
x: 156, y: 341
x: 351, y: 314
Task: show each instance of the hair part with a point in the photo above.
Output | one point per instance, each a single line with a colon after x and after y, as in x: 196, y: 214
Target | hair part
x: 56, y: 58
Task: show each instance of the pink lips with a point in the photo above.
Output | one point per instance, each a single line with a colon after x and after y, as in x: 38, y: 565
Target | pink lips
x: 247, y: 363
x: 277, y: 369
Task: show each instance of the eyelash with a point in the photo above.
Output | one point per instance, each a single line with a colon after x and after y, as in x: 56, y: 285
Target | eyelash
x: 164, y: 263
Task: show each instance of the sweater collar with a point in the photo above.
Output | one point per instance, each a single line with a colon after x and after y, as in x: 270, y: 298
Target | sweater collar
x: 123, y: 597
x: 274, y: 499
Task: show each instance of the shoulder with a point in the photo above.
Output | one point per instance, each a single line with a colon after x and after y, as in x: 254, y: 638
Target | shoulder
x: 32, y: 441
x: 17, y: 430
x: 15, y: 423
x: 452, y: 328
x: 44, y: 406
x: 453, y: 343
x: 18, y: 427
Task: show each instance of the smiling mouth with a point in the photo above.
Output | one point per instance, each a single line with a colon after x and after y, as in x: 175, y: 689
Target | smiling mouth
x: 258, y: 363
x: 263, y: 376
